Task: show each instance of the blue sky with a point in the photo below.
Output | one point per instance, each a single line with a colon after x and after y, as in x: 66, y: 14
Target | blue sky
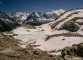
x: 30, y: 6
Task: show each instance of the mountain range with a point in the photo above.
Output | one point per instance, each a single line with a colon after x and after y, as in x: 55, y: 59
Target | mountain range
x: 35, y: 17
x: 14, y: 19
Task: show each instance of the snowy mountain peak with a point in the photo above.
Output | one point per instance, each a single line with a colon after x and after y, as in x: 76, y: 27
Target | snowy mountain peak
x: 44, y: 17
x: 19, y: 16
x: 58, y: 12
x: 38, y: 17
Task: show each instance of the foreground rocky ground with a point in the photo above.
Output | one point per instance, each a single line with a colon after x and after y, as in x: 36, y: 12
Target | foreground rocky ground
x: 75, y: 52
x: 10, y: 50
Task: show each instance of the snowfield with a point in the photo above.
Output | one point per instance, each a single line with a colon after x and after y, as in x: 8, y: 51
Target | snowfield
x: 39, y: 36
x: 55, y: 43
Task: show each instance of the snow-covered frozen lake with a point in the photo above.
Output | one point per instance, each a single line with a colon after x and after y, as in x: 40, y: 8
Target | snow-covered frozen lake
x: 29, y: 35
x: 30, y: 38
x: 32, y: 35
x: 38, y: 36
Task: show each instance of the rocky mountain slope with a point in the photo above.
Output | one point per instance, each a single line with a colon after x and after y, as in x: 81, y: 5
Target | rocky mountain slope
x: 71, y: 20
x: 7, y: 23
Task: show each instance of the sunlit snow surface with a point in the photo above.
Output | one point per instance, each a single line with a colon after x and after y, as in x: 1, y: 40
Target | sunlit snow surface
x: 38, y: 36
x: 56, y: 43
x: 32, y: 35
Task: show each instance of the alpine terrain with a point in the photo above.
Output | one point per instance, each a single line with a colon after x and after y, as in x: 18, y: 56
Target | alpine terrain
x: 55, y: 35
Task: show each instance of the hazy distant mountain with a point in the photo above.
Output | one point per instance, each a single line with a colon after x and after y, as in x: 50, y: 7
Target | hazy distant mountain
x: 57, y: 12
x: 6, y: 23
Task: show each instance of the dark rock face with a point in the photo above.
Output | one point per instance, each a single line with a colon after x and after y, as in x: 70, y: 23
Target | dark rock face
x: 3, y: 15
x: 4, y: 26
x: 73, y: 52
x: 70, y: 26
x: 7, y: 23
x: 80, y: 49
